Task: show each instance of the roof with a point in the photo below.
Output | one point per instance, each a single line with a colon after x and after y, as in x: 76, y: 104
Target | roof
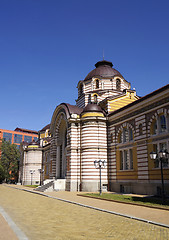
x: 141, y: 99
x: 103, y: 69
x: 45, y: 128
x: 25, y: 130
x: 92, y: 107
x: 72, y: 109
x: 68, y: 109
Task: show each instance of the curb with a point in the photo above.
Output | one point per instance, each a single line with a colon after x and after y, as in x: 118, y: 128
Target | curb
x: 94, y: 208
x: 20, y: 235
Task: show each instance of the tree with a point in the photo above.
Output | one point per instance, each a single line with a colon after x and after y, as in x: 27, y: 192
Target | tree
x: 2, y: 174
x: 10, y: 156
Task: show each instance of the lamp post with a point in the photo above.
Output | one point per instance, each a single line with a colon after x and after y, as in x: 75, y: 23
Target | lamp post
x: 41, y: 172
x: 32, y: 172
x: 162, y: 156
x: 99, y: 164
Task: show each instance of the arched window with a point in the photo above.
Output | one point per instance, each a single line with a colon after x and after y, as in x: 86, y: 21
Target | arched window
x: 97, y: 83
x: 159, y: 125
x: 95, y: 98
x: 162, y: 123
x: 130, y: 134
x: 120, y: 137
x: 118, y: 84
x: 125, y: 135
x: 154, y: 127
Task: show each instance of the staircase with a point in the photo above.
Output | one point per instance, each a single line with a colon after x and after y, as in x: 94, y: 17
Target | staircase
x: 48, y: 187
x: 52, y: 185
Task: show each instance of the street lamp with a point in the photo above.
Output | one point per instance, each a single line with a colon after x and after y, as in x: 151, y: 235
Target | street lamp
x: 100, y: 164
x: 41, y: 172
x: 32, y: 172
x: 162, y: 156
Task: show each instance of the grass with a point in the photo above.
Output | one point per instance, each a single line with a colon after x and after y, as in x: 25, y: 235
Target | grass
x: 148, y: 201
x: 31, y: 186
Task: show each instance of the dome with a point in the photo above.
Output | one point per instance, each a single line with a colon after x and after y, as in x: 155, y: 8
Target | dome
x: 92, y: 109
x: 103, y: 69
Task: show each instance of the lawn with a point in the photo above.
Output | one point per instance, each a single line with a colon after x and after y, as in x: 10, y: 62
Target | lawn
x: 148, y: 201
x: 31, y: 186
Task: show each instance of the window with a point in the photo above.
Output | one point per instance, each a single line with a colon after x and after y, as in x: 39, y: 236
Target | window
x: 120, y: 138
x: 97, y: 83
x: 140, y: 129
x: 131, y: 158
x: 81, y: 89
x: 156, y: 148
x: 126, y: 159
x: 35, y: 138
x: 95, y: 98
x: 125, y: 135
x: 121, y: 160
x: 159, y: 125
x: 17, y: 138
x: 27, y: 138
x: 89, y: 98
x: 118, y: 84
x: 154, y: 127
x: 7, y: 137
x: 162, y: 123
x: 130, y: 134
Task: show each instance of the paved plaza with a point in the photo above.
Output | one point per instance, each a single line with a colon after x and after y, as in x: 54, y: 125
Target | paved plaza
x: 39, y: 217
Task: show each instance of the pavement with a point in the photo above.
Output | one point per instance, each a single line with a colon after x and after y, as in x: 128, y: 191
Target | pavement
x: 84, y: 218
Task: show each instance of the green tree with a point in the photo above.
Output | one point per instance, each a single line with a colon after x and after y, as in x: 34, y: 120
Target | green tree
x: 2, y: 174
x: 10, y: 156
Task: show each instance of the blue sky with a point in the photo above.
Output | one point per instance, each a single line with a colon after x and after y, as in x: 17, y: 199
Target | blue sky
x: 47, y: 46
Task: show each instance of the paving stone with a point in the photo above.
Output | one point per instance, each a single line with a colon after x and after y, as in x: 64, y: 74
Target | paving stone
x: 46, y: 218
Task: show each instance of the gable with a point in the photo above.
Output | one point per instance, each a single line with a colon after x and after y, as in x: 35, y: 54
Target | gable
x: 121, y: 101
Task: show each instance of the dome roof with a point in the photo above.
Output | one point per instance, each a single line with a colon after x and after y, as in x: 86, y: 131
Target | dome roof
x: 33, y: 144
x: 103, y: 69
x: 92, y: 107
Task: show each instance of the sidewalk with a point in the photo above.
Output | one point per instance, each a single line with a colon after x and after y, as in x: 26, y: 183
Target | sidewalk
x: 158, y: 216
x: 6, y: 232
x: 41, y: 216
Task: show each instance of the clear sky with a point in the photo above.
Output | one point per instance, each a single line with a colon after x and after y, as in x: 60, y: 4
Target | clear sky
x: 47, y: 46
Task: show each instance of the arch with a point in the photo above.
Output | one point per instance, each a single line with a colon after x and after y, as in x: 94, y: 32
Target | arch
x: 118, y: 84
x: 158, y: 122
x: 95, y: 98
x: 60, y: 141
x: 120, y: 133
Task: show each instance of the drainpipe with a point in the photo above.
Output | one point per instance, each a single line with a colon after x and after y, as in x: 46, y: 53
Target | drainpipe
x: 80, y: 156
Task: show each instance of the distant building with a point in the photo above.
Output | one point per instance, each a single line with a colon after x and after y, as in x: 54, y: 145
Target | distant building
x: 18, y: 135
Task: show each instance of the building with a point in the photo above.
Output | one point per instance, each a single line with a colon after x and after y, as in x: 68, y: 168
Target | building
x: 109, y: 122
x: 30, y: 164
x: 18, y: 135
